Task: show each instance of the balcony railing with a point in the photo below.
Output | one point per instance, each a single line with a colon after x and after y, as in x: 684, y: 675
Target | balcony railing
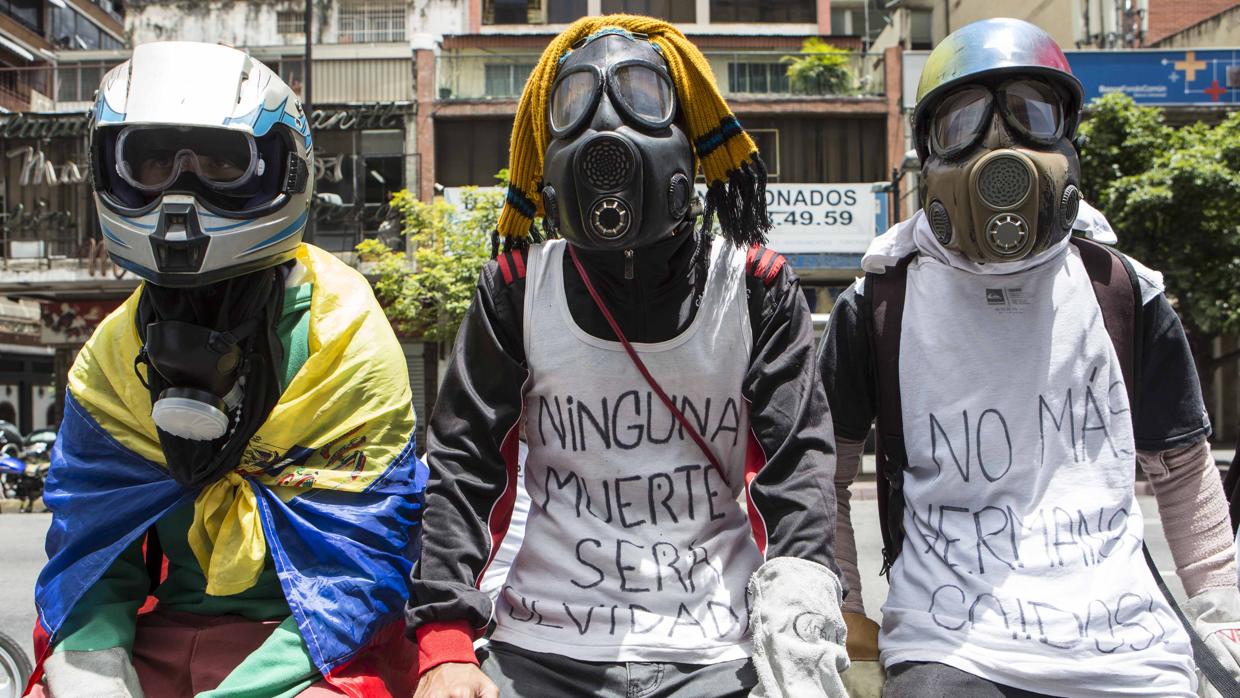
x: 756, y: 74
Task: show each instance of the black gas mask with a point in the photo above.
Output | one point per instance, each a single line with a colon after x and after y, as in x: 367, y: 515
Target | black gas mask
x: 618, y: 173
x: 1001, y: 177
x: 211, y: 356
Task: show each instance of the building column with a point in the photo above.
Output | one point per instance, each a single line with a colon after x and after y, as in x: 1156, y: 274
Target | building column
x: 424, y: 60
x: 475, y: 16
x: 824, y: 17
x: 893, y: 75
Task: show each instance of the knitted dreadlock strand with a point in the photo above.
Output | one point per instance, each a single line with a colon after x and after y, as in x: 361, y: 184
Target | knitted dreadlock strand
x: 735, y: 175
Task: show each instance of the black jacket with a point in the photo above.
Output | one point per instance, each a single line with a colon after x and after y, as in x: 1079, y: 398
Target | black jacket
x: 480, y: 404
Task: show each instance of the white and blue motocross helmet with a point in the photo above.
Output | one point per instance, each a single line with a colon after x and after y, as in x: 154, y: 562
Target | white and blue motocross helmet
x: 201, y: 159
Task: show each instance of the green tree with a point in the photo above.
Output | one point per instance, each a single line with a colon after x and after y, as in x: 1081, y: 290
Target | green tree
x: 1173, y: 197
x: 426, y: 290
x: 820, y: 69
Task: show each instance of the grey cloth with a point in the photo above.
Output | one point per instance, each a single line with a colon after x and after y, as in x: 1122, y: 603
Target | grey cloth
x: 94, y: 674
x: 799, y: 635
x: 934, y: 680
x: 520, y: 673
x: 1215, y: 614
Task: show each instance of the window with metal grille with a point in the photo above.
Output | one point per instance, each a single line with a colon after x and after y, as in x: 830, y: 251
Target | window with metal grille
x: 506, y: 79
x: 78, y: 83
x: 774, y: 11
x: 362, y: 22
x: 670, y: 10
x: 758, y: 78
x: 532, y: 11
x: 290, y: 22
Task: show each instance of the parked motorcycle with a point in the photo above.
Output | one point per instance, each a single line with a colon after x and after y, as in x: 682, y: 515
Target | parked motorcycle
x: 14, y: 668
x: 24, y: 463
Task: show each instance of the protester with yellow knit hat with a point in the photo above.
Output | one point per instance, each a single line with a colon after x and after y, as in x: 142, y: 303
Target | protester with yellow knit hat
x: 659, y: 373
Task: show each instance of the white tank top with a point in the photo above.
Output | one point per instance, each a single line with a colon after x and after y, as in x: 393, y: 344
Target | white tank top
x: 636, y: 549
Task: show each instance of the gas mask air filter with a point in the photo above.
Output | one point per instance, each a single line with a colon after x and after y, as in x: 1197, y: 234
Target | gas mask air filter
x: 203, y: 366
x: 211, y: 358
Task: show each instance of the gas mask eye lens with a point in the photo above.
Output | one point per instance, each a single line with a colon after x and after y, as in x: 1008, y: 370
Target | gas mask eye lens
x: 960, y: 120
x: 645, y: 92
x: 571, y: 99
x: 1035, y: 109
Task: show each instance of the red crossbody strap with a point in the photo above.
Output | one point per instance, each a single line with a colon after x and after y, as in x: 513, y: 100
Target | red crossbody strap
x: 641, y: 367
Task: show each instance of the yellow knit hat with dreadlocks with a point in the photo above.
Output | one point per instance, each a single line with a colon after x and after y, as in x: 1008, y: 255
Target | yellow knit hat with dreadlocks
x: 735, y: 175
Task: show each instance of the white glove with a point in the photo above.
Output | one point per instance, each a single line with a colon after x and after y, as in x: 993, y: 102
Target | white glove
x: 1215, y: 615
x: 95, y: 674
x: 798, y: 630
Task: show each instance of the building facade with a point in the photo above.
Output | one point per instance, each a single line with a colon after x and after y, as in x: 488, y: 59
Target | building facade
x: 362, y: 113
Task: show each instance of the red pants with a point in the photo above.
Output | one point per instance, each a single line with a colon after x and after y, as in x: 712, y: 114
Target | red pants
x: 182, y: 654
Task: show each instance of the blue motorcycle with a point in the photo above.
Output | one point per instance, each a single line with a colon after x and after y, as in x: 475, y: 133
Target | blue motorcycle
x: 24, y: 463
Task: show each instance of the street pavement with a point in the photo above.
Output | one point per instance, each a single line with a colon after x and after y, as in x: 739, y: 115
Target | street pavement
x: 21, y: 557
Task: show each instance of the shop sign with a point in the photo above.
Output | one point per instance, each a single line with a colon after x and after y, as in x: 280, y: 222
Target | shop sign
x: 72, y: 322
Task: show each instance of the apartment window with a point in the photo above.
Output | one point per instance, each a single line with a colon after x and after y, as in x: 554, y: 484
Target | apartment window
x: 290, y: 22
x: 921, y: 32
x: 364, y: 22
x: 28, y: 12
x: 842, y: 23
x: 76, y: 31
x: 506, y: 79
x: 111, y: 7
x: 290, y: 71
x: 471, y: 151
x: 670, y: 10
x: 765, y: 11
x: 532, y: 11
x: 78, y: 83
x: 758, y: 78
x: 383, y: 164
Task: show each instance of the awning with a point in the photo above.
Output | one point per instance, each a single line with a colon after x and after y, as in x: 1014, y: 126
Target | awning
x: 16, y: 48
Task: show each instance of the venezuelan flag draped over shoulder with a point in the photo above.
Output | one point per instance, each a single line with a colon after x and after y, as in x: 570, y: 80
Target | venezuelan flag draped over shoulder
x: 330, y: 484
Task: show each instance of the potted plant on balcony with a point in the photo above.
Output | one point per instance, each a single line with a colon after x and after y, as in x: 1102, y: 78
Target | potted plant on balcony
x: 820, y: 69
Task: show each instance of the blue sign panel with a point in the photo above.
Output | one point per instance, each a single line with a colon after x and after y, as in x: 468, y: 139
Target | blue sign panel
x: 1201, y: 77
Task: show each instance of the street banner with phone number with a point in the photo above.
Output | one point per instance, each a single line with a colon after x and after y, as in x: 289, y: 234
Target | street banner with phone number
x: 821, y: 217
x: 809, y: 218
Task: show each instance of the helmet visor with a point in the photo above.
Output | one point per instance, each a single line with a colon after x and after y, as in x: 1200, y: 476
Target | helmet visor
x: 151, y: 158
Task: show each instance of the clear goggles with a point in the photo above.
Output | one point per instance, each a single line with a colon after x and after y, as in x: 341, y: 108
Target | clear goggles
x: 1034, y: 109
x: 151, y: 158
x: 640, y: 90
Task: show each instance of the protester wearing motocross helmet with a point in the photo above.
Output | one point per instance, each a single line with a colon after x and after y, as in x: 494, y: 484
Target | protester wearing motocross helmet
x: 637, y: 558
x: 1019, y: 376
x: 239, y: 431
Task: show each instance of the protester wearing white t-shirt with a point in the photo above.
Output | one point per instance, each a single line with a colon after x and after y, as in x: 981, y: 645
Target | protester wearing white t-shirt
x: 1021, y: 571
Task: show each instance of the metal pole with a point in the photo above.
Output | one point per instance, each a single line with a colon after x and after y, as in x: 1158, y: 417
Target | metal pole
x: 896, y: 176
x: 305, y: 82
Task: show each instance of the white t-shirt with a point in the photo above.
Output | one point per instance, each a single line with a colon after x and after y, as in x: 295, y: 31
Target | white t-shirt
x: 1022, y: 560
x: 635, y: 549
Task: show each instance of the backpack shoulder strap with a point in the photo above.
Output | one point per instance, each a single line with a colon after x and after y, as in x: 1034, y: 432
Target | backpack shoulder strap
x: 1118, y: 291
x: 885, y: 293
